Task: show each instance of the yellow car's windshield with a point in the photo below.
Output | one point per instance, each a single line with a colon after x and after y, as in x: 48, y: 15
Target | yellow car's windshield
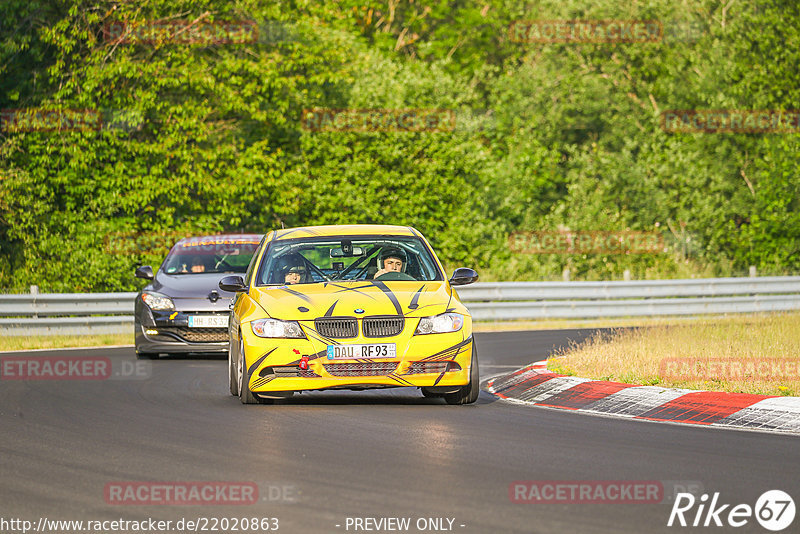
x: 306, y: 261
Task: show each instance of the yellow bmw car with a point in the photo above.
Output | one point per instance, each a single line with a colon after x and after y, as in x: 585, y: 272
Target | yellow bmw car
x: 349, y: 307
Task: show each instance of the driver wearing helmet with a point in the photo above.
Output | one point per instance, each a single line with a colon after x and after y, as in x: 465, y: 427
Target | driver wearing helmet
x: 292, y: 269
x: 391, y: 260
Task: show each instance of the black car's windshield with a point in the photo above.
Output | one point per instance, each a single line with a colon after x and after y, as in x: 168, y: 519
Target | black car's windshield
x: 306, y: 261
x: 210, y: 255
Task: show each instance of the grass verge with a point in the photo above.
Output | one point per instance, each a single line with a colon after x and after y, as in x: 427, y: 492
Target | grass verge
x: 61, y: 342
x: 744, y: 354
x: 557, y: 324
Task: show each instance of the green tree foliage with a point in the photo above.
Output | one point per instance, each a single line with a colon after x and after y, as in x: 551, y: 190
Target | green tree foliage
x: 208, y: 137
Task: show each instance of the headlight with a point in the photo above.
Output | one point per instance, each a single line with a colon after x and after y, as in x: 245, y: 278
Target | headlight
x: 276, y: 328
x: 439, y: 324
x: 157, y: 301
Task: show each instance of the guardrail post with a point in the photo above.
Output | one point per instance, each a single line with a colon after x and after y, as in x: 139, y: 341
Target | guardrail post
x: 752, y: 271
x: 626, y: 275
x: 35, y: 291
x: 565, y: 274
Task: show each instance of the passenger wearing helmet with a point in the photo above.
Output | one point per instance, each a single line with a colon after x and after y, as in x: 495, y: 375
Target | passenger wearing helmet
x: 292, y: 269
x: 392, y: 260
x: 294, y: 275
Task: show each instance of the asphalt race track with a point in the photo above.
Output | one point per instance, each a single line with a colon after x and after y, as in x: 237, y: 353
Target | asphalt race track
x: 320, y: 458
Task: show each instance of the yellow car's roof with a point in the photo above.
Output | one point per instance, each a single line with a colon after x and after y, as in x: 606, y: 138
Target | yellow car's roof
x: 342, y: 229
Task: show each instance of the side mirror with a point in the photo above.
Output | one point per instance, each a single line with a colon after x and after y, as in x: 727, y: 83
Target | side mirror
x: 463, y: 276
x: 144, y: 271
x: 234, y: 284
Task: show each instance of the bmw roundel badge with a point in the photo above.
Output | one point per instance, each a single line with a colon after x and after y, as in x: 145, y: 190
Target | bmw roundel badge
x: 358, y: 310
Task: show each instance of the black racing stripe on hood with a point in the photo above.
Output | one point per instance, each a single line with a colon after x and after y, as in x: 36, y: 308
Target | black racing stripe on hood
x: 253, y: 367
x: 383, y: 287
x: 329, y: 313
x: 415, y: 299
x: 420, y: 308
x: 356, y: 289
x: 296, y: 294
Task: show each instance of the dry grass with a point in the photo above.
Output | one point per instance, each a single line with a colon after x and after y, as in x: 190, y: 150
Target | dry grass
x: 730, y: 352
x: 556, y: 324
x: 60, y: 342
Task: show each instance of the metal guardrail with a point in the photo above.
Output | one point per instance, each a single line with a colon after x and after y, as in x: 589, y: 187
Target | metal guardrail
x: 54, y: 304
x: 502, y: 301
x: 66, y: 314
x: 99, y: 313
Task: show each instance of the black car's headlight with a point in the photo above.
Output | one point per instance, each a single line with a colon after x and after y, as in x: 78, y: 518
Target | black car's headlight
x: 440, y: 324
x: 157, y: 301
x: 276, y: 328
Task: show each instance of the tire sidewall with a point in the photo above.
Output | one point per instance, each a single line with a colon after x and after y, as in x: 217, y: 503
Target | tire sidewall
x: 244, y: 390
x: 233, y: 377
x: 469, y: 393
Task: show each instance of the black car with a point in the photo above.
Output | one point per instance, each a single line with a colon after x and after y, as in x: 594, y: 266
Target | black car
x: 183, y: 309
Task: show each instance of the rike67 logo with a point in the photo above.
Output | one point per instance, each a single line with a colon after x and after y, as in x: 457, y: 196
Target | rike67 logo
x: 774, y: 510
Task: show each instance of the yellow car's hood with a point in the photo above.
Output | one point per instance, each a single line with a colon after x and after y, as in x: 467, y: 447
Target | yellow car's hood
x: 359, y: 298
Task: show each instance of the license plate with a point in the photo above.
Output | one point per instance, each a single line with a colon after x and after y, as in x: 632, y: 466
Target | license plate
x: 373, y: 350
x: 208, y: 321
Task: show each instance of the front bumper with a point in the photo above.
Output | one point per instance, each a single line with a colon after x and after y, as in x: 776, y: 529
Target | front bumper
x: 173, y: 335
x: 422, y: 361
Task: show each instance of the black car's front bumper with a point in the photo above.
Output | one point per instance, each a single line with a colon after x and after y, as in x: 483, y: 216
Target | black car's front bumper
x: 166, y: 341
x: 169, y: 331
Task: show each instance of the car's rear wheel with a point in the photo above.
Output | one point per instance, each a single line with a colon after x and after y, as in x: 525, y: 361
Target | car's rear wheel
x: 469, y: 393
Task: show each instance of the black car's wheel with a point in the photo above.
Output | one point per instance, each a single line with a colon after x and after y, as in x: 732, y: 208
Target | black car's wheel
x: 146, y: 355
x: 245, y: 395
x: 233, y: 378
x: 469, y: 393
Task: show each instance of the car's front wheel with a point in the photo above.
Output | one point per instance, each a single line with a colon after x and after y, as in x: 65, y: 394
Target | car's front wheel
x: 245, y: 395
x: 469, y: 393
x: 233, y: 379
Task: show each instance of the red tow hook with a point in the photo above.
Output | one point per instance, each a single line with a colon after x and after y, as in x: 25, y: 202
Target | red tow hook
x: 304, y: 363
